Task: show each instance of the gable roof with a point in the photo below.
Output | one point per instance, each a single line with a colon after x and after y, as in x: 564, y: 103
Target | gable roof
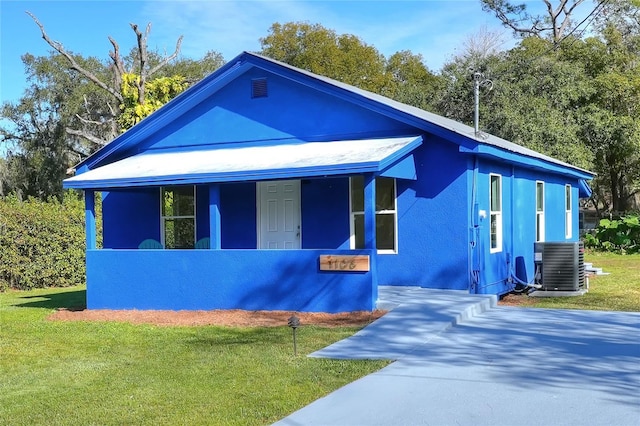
x: 482, y: 144
x: 435, y: 123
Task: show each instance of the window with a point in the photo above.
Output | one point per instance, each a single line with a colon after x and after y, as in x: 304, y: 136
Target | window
x: 386, y: 215
x: 178, y: 217
x: 496, y: 213
x: 539, y: 211
x: 567, y: 211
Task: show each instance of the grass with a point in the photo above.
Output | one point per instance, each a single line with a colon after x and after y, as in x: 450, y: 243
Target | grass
x: 58, y: 373
x: 90, y: 373
x: 619, y: 291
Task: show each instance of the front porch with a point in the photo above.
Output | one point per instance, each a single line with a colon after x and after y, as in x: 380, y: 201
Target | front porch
x: 288, y: 280
x: 264, y: 221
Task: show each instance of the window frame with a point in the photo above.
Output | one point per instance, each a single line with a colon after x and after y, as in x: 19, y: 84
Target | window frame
x: 383, y: 212
x: 164, y: 218
x: 495, y: 213
x: 568, y: 212
x: 540, y: 216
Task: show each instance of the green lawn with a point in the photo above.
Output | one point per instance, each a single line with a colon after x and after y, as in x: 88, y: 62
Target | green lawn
x: 618, y: 291
x: 85, y: 373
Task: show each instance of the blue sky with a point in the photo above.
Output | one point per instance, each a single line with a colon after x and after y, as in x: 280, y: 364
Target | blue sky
x: 434, y: 29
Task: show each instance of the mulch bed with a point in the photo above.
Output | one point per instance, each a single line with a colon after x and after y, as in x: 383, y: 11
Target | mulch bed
x: 240, y: 318
x: 233, y: 318
x: 516, y: 300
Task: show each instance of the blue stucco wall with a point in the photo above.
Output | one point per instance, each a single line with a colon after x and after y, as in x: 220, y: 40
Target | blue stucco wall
x: 231, y: 115
x: 287, y: 280
x: 202, y: 212
x: 238, y: 216
x: 518, y: 223
x: 325, y: 213
x: 133, y: 216
x: 432, y: 222
x: 130, y: 217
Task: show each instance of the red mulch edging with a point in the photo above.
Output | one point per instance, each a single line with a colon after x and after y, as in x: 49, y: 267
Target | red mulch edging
x: 233, y: 318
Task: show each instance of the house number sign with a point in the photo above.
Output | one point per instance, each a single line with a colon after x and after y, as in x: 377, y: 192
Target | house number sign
x: 344, y: 263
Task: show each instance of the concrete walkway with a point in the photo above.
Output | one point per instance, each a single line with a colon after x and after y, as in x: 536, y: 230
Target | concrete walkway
x: 478, y: 364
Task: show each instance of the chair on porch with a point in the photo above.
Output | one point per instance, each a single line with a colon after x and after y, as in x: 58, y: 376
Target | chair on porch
x: 150, y: 244
x: 203, y: 243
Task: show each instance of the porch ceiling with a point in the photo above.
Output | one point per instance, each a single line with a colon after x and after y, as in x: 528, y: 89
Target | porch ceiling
x: 296, y: 159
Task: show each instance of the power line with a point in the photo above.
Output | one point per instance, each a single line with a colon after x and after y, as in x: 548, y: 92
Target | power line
x: 599, y: 6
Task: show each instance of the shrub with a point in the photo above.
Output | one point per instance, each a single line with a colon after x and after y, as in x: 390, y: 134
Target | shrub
x: 616, y: 235
x: 42, y: 243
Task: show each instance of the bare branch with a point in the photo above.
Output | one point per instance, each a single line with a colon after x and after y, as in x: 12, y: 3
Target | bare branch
x: 9, y: 138
x: 113, y: 112
x: 567, y: 18
x: 118, y: 65
x: 482, y: 44
x: 88, y: 136
x: 168, y: 59
x: 517, y: 18
x: 85, y: 121
x: 142, y: 57
x: 74, y: 65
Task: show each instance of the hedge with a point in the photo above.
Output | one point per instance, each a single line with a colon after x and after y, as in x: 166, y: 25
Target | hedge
x: 42, y: 243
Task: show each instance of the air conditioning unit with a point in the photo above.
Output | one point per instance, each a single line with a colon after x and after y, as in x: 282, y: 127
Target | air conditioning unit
x: 560, y: 266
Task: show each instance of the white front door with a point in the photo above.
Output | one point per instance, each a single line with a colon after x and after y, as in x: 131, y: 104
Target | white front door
x: 279, y: 214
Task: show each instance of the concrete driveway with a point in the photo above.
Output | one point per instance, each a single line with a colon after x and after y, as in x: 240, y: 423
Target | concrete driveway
x: 461, y: 360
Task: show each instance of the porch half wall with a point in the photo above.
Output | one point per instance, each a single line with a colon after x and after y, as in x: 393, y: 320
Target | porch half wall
x: 288, y: 280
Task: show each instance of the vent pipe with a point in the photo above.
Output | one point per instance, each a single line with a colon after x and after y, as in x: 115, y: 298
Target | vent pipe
x: 478, y: 80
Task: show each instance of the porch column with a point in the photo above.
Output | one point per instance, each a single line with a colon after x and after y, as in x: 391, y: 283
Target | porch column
x: 370, y: 232
x: 214, y: 217
x: 90, y: 219
x: 369, y: 211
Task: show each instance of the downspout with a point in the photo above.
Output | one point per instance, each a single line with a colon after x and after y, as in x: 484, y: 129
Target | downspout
x: 511, y: 226
x: 474, y: 262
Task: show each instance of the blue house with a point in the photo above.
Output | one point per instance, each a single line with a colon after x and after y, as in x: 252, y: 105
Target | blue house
x: 267, y: 187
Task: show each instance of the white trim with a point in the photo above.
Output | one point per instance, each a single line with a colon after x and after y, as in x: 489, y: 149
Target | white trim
x: 352, y: 215
x: 568, y: 212
x: 163, y: 217
x: 540, y: 222
x: 497, y: 214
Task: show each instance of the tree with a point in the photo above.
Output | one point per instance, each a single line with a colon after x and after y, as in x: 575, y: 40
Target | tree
x: 557, y: 21
x: 456, y: 96
x: 622, y: 14
x: 38, y: 148
x: 411, y: 82
x: 610, y: 120
x: 481, y: 45
x: 578, y: 101
x: 533, y: 96
x: 537, y: 93
x: 343, y: 57
x: 346, y: 58
x: 121, y: 80
x: 72, y: 107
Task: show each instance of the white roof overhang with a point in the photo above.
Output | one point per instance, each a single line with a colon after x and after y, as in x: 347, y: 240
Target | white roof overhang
x: 245, y: 162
